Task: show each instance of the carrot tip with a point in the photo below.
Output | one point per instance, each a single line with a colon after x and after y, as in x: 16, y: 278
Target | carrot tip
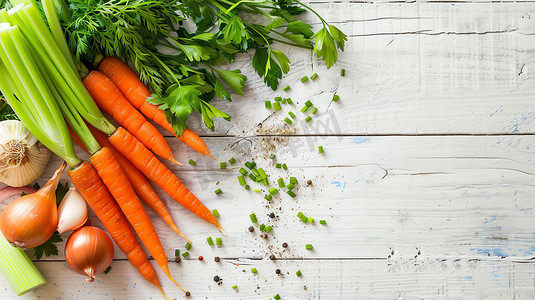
x: 163, y: 294
x: 210, y: 154
x: 173, y: 160
x: 175, y: 229
x: 220, y: 228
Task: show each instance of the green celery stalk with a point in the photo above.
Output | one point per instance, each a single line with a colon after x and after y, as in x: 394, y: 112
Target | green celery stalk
x: 18, y: 269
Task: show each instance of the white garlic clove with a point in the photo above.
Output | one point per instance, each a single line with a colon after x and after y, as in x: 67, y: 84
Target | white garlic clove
x: 22, y: 158
x: 72, y: 211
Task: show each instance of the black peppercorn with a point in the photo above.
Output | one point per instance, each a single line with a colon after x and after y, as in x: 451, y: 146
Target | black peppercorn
x: 216, y: 278
x: 251, y: 228
x: 272, y: 215
x: 217, y: 259
x: 272, y: 257
x: 285, y: 245
x: 278, y: 271
x: 188, y: 294
x: 177, y: 259
x: 309, y: 182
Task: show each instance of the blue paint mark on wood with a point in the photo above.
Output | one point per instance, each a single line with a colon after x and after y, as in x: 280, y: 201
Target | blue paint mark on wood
x: 361, y: 140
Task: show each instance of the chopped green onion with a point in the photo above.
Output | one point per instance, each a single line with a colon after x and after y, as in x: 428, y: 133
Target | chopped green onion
x: 253, y: 270
x: 292, y: 194
x: 188, y: 245
x: 218, y: 191
x: 268, y: 229
x: 284, y: 167
x: 267, y: 104
x: 300, y: 214
x: 259, y: 179
x: 310, y: 220
x: 293, y: 180
x: 323, y: 222
x: 309, y: 246
x: 272, y: 156
x: 290, y: 186
x: 257, y: 190
x: 289, y: 100
x: 107, y: 270
x: 298, y: 273
x: 192, y: 162
x: 291, y: 114
x: 253, y: 217
x: 276, y: 106
x: 304, y: 109
x: 185, y: 254
x: 177, y: 252
x: 314, y: 110
x: 247, y: 187
x: 268, y: 197
x: 304, y: 79
x: 253, y: 164
x: 232, y: 161
x: 234, y: 286
x: 210, y: 241
x: 262, y: 226
x: 243, y: 172
x: 286, y: 88
x: 335, y: 98
x: 252, y: 177
x: 283, y: 101
x: 255, y: 172
x: 308, y: 103
x: 218, y: 241
x: 266, y: 182
x: 308, y: 119
x: 223, y: 165
x: 280, y: 181
x: 342, y: 72
x: 215, y: 212
x: 263, y: 174
x: 249, y: 165
x: 273, y: 191
x: 320, y: 149
x: 217, y: 183
x: 278, y: 166
x: 241, y: 179
x: 278, y: 99
x: 277, y: 297
x: 314, y: 76
x: 288, y: 121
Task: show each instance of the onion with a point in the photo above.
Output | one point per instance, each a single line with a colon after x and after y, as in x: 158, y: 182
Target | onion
x: 89, y: 251
x: 9, y: 191
x: 72, y: 211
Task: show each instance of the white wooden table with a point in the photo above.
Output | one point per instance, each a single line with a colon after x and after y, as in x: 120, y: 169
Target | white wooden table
x: 427, y: 180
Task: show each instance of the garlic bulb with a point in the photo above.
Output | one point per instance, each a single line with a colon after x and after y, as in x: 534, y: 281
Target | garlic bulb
x: 72, y: 211
x: 22, y: 158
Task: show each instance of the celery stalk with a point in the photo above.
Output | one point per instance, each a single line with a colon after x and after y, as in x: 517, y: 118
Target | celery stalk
x: 18, y: 269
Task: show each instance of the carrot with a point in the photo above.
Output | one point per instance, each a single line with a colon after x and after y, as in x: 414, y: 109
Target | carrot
x: 137, y: 93
x: 156, y: 171
x: 109, y: 98
x: 85, y: 178
x: 114, y: 178
x: 140, y: 184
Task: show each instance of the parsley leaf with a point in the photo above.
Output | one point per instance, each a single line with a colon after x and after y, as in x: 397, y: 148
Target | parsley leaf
x: 299, y: 27
x: 325, y: 47
x: 221, y: 92
x: 49, y: 247
x: 265, y: 66
x: 338, y: 36
x: 234, y: 79
x: 61, y: 190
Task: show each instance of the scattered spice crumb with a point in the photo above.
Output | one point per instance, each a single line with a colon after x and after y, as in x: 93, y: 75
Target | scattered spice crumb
x: 309, y: 182
x: 217, y: 259
x: 272, y: 215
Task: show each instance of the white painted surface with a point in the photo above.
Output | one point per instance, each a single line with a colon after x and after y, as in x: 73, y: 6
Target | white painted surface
x: 426, y: 181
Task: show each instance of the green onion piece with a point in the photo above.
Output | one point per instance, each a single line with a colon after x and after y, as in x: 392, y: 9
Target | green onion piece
x: 283, y: 101
x: 268, y: 229
x: 320, y: 149
x: 217, y: 183
x: 277, y: 297
x: 107, y: 270
x: 276, y: 106
x: 268, y: 197
x: 177, y: 252
x: 286, y: 88
x: 278, y: 99
x: 278, y: 166
x: 234, y: 286
x: 293, y: 180
x: 335, y: 98
x: 232, y: 161
x: 192, y: 162
x: 298, y: 273
x: 314, y: 110
x: 304, y: 79
x: 289, y: 100
x: 273, y: 191
x: 265, y: 182
x: 262, y: 173
x: 252, y: 177
x: 272, y: 156
x: 216, y: 213
x: 323, y: 222
x: 303, y: 218
x: 314, y: 76
x: 280, y: 181
x: 257, y: 190
x: 304, y: 109
x: 259, y: 179
x: 284, y: 167
x: 249, y: 165
x: 253, y: 217
x: 267, y: 104
x: 310, y: 220
x: 247, y: 187
x: 262, y: 226
x: 218, y: 191
x: 210, y: 241
x: 243, y: 172
x: 290, y: 186
x: 223, y: 165
x: 241, y: 179
x: 308, y: 103
x: 291, y: 114
x: 309, y: 246
x: 253, y: 164
x: 292, y: 194
x: 342, y: 72
x: 299, y: 215
x: 253, y: 270
x: 185, y: 254
x: 308, y: 119
x: 218, y: 241
x: 255, y: 171
x: 288, y: 121
x: 188, y: 245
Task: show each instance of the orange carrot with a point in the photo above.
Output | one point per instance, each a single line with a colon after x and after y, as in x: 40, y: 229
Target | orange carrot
x: 109, y: 98
x: 140, y: 184
x: 114, y: 178
x: 85, y: 178
x: 156, y: 171
x: 136, y: 93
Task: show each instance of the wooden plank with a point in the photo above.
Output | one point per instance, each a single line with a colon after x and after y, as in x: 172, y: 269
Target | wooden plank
x: 445, y: 196
x: 407, y: 278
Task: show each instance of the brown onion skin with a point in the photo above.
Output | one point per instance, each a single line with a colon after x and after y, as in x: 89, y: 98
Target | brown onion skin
x: 89, y: 251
